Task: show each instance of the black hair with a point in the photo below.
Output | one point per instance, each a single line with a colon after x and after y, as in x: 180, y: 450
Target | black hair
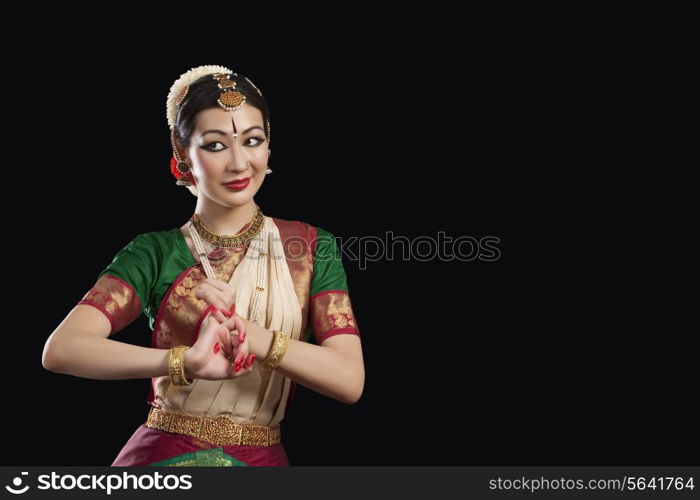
x: 203, y: 94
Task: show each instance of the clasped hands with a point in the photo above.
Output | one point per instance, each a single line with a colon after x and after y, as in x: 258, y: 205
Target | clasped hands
x: 221, y: 350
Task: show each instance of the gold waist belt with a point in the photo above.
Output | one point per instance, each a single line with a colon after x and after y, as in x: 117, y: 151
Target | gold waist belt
x: 219, y: 430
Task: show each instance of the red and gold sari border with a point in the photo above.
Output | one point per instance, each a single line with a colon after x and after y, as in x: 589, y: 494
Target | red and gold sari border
x: 331, y: 314
x: 319, y: 294
x: 298, y: 239
x: 116, y: 299
x: 164, y: 303
x: 337, y: 331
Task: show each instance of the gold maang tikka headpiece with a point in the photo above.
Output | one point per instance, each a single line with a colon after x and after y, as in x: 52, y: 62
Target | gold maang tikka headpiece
x: 230, y: 98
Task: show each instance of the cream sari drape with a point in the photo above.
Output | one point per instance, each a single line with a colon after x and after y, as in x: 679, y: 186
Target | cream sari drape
x: 260, y: 396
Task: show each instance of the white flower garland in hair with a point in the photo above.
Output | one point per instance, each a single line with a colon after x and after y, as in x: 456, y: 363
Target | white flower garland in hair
x: 185, y: 80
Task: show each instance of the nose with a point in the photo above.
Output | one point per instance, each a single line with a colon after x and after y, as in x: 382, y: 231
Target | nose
x: 239, y: 160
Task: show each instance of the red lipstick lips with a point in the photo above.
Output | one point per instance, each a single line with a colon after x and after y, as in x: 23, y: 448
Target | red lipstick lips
x: 238, y: 184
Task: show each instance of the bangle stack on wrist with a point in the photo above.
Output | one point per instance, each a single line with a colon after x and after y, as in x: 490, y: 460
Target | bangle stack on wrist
x: 176, y: 365
x: 277, y: 351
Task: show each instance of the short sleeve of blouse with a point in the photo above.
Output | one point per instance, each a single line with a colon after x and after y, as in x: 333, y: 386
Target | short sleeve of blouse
x: 123, y: 289
x: 330, y: 309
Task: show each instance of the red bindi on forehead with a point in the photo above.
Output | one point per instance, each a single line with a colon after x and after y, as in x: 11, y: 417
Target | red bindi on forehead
x: 235, y: 130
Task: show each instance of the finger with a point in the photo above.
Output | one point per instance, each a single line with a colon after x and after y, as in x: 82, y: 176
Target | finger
x: 214, y: 331
x: 222, y: 286
x: 250, y: 360
x: 224, y: 336
x: 238, y: 354
x: 232, y: 309
x: 208, y: 337
x: 240, y: 361
x: 224, y: 289
x: 207, y: 323
x: 242, y: 334
x: 239, y: 325
x: 245, y: 369
x: 235, y: 339
x: 203, y: 286
x: 242, y: 353
x: 241, y: 371
x: 212, y: 316
x: 220, y: 315
x: 230, y: 323
x: 225, y: 339
x: 210, y: 296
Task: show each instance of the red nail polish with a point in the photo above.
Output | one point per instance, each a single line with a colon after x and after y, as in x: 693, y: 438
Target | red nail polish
x: 217, y: 348
x: 242, y: 337
x: 233, y: 309
x: 251, y: 358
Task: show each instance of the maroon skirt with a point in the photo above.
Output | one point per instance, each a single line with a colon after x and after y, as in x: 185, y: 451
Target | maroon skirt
x: 154, y: 447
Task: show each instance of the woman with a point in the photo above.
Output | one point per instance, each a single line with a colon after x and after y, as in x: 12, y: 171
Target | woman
x: 234, y: 298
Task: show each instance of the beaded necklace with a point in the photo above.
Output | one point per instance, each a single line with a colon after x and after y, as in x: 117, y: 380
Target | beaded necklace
x: 257, y: 226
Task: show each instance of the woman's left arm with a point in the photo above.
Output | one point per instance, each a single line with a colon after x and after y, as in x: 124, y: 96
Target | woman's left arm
x: 335, y: 368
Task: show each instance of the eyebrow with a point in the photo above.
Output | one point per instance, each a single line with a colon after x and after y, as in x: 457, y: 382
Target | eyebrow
x: 221, y: 132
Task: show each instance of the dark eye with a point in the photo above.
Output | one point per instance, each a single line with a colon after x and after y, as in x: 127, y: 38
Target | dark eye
x: 257, y: 141
x: 210, y: 146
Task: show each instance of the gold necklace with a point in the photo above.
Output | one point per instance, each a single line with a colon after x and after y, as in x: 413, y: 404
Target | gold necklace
x: 228, y: 241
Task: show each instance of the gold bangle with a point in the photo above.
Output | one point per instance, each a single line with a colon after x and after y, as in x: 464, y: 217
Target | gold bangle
x: 277, y: 351
x: 176, y: 365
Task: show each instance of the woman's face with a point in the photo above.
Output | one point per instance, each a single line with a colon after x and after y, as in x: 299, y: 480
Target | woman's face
x: 218, y: 158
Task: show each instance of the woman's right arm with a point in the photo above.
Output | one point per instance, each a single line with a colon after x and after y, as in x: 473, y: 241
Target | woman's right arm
x: 79, y: 346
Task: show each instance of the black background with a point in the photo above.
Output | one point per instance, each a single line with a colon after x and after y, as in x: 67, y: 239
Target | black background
x: 570, y: 136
